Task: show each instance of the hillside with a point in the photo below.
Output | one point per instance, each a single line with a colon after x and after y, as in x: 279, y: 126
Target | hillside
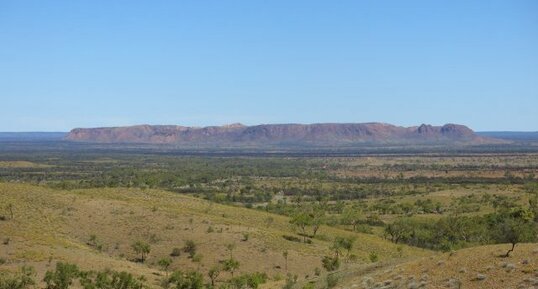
x: 51, y: 225
x: 323, y: 134
x: 472, y: 268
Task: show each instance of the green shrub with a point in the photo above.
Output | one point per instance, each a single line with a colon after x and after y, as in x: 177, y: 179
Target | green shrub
x: 184, y: 280
x: 111, y: 280
x: 22, y: 280
x: 373, y: 257
x: 330, y: 263
x: 62, y: 277
x: 142, y: 248
x: 190, y: 248
x: 251, y: 280
x: 332, y: 280
x: 291, y: 280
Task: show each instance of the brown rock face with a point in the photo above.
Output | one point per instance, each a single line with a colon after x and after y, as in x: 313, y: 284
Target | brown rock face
x: 322, y: 134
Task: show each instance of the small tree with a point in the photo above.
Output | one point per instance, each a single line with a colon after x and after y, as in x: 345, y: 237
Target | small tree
x: 302, y: 220
x: 342, y: 243
x: 330, y: 263
x: 165, y: 264
x: 190, y: 248
x: 213, y: 274
x: 317, y: 216
x: 230, y: 247
x: 231, y: 265
x: 351, y: 216
x: 516, y: 227
x: 401, y: 229
x: 291, y: 280
x: 142, y: 248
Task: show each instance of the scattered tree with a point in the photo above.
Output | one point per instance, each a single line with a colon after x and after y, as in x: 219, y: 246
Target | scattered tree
x: 231, y: 265
x: 165, y: 264
x: 142, y: 248
x: 214, y: 273
x: 190, y: 248
x: 231, y: 247
x: 515, y: 227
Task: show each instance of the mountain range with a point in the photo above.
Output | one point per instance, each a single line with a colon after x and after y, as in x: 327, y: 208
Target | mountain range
x: 321, y: 134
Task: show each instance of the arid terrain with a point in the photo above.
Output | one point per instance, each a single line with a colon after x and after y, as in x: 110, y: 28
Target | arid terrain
x: 380, y: 220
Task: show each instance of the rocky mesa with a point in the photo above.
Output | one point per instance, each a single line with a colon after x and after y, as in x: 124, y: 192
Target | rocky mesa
x: 320, y: 134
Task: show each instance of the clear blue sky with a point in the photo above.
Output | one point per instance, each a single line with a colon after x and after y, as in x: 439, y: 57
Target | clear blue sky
x: 66, y: 64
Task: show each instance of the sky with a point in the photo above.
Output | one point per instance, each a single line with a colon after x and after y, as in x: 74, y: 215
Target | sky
x: 67, y: 64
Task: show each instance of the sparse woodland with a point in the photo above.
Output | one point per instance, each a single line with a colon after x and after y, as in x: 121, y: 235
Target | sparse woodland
x: 99, y: 220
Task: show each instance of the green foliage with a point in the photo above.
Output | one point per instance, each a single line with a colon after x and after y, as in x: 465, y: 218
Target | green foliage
x: 230, y: 247
x: 510, y: 224
x: 291, y: 280
x: 332, y: 280
x: 165, y: 263
x: 373, y: 257
x: 330, y: 263
x: 62, y: 277
x: 445, y: 234
x: 197, y: 258
x: 317, y: 271
x: 351, y: 216
x: 22, y: 280
x: 251, y: 280
x: 230, y: 265
x: 184, y: 280
x: 342, y: 243
x: 513, y: 227
x: 190, y: 248
x: 301, y: 220
x: 214, y: 273
x: 111, y: 280
x: 142, y: 248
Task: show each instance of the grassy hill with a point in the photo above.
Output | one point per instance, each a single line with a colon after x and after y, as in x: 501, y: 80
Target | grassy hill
x: 473, y: 268
x: 96, y: 227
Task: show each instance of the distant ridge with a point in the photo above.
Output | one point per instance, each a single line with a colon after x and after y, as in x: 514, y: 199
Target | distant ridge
x: 321, y: 134
x: 511, y: 135
x: 32, y: 136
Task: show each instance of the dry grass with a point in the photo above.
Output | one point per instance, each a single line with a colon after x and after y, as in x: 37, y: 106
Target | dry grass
x: 55, y: 225
x: 466, y: 267
x: 21, y: 165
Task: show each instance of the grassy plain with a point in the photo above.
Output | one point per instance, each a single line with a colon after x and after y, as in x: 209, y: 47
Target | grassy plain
x: 89, y: 207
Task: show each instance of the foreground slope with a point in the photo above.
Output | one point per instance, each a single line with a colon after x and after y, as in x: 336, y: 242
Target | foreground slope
x: 472, y: 268
x: 51, y: 225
